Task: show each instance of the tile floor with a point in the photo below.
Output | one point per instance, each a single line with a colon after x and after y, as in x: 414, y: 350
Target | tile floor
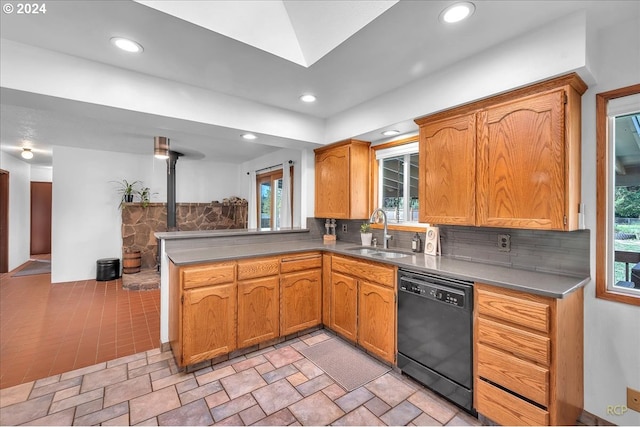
x: 85, y: 352
x: 48, y: 329
x: 273, y: 386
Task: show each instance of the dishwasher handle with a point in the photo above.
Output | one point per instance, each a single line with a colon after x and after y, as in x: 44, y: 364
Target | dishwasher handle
x: 439, y: 293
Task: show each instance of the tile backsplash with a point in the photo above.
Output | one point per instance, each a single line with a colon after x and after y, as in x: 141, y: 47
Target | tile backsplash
x: 557, y: 252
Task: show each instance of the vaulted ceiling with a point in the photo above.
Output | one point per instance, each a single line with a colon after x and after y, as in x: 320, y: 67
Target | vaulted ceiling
x: 346, y: 53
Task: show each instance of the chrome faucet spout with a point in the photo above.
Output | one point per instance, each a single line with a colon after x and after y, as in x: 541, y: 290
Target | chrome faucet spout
x: 385, y: 237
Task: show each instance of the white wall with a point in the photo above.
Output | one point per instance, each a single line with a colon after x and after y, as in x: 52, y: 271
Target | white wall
x: 41, y: 173
x: 19, y: 209
x: 612, y: 334
x: 86, y: 222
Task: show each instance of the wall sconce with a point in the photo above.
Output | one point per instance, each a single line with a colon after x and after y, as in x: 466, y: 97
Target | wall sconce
x: 161, y: 147
x: 27, y: 153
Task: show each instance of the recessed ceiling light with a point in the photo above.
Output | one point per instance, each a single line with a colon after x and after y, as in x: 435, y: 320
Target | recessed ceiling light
x: 308, y: 98
x: 127, y: 45
x: 457, y: 12
x: 390, y: 132
x: 27, y: 153
x: 249, y: 136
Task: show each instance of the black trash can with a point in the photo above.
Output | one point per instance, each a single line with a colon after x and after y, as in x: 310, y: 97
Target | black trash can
x: 108, y: 269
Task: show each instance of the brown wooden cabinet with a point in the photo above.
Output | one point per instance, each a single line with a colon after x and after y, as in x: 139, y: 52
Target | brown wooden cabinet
x: 300, y: 300
x: 508, y: 161
x: 377, y: 319
x: 258, y: 300
x: 258, y: 310
x: 528, y: 353
x: 342, y: 180
x: 344, y: 305
x: 363, y: 304
x: 448, y: 171
x: 300, y: 292
x: 202, y: 311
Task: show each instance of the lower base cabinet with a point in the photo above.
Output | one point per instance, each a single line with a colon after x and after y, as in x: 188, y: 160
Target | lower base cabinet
x: 344, y: 305
x: 208, y: 322
x: 377, y: 320
x: 300, y: 301
x: 528, y: 355
x: 258, y: 310
x: 363, y: 304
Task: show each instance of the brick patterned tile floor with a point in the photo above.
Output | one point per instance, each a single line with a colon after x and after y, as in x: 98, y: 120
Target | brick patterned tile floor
x: 148, y: 388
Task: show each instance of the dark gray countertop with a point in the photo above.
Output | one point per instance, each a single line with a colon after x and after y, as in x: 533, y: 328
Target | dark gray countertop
x: 535, y: 282
x: 175, y: 235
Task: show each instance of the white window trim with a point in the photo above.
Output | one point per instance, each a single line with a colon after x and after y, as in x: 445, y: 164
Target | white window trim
x: 385, y: 153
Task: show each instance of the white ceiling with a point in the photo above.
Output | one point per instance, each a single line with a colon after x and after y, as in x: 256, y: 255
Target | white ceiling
x: 404, y: 43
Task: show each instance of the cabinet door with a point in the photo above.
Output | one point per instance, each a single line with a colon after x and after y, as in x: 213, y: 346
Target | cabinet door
x: 448, y: 171
x: 332, y: 183
x: 377, y: 320
x: 344, y: 305
x: 209, y: 322
x: 301, y: 301
x: 258, y: 311
x: 521, y: 162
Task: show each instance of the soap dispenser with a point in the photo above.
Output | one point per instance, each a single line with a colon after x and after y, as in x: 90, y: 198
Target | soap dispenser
x: 416, y: 243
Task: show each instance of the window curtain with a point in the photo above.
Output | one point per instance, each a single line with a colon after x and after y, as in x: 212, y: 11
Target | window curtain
x: 285, y: 206
x: 253, y: 207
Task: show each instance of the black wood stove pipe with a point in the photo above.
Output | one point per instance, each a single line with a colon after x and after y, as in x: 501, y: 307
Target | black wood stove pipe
x: 171, y: 190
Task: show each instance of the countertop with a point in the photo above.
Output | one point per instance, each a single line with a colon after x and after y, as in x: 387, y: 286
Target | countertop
x: 195, y: 234
x: 535, y: 282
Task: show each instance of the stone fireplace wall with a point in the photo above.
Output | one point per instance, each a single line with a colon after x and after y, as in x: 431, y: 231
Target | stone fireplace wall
x: 140, y: 223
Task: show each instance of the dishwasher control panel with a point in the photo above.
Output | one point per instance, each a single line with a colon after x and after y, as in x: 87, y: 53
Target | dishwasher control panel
x: 434, y: 292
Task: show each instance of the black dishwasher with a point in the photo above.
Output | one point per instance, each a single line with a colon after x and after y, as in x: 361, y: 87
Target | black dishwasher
x: 435, y: 324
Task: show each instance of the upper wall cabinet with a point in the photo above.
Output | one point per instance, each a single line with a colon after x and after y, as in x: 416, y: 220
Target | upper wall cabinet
x: 342, y: 180
x: 509, y: 161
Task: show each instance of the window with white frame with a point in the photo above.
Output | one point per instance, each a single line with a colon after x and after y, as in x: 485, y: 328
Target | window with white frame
x: 398, y: 182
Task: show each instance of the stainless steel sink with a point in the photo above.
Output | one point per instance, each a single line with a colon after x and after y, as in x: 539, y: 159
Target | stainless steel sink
x: 378, y: 253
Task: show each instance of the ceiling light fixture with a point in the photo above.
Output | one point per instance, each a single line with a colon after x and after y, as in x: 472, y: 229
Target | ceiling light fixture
x: 308, y: 98
x: 127, y: 45
x: 457, y: 12
x: 390, y: 132
x: 27, y: 153
x: 161, y: 147
x: 249, y: 136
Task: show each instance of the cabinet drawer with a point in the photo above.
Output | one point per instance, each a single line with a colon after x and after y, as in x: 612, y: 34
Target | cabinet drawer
x: 370, y: 271
x: 208, y: 274
x: 507, y: 409
x: 300, y: 262
x: 532, y: 312
x: 522, y: 377
x: 515, y: 341
x: 258, y: 267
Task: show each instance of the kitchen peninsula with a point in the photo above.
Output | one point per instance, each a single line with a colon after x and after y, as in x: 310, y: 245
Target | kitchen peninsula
x: 287, y: 279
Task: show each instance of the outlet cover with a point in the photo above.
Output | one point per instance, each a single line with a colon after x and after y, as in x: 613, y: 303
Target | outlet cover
x: 344, y: 228
x: 633, y: 399
x: 504, y: 242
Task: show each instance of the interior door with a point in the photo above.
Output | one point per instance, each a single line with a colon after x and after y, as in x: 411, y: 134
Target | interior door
x: 4, y: 221
x: 40, y: 218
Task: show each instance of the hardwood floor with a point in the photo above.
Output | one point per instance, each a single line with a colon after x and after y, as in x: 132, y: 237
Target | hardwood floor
x: 47, y: 329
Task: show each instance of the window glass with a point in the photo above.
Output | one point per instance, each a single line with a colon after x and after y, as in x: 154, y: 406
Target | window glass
x: 398, y: 182
x: 626, y: 204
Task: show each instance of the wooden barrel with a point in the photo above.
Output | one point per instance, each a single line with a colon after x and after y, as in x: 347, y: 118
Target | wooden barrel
x: 131, y: 262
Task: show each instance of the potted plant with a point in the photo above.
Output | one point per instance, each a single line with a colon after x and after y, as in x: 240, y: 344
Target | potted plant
x: 145, y: 196
x: 366, y: 234
x: 126, y: 190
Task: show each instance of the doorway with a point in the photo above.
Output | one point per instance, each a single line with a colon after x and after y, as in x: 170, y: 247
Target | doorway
x: 40, y: 218
x: 4, y: 221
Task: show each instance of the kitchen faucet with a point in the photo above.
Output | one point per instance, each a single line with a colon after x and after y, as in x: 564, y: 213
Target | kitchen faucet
x: 385, y: 237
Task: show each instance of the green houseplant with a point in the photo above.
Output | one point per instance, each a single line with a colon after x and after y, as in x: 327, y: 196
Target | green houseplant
x: 365, y: 234
x: 126, y: 190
